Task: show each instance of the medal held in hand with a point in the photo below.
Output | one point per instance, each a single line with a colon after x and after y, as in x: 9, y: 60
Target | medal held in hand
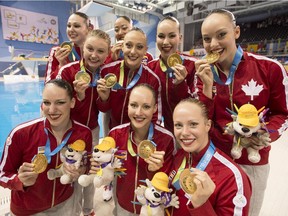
x: 40, y: 163
x: 145, y: 149
x: 174, y: 59
x: 83, y: 76
x: 212, y: 57
x: 67, y: 45
x: 111, y: 80
x: 186, y: 180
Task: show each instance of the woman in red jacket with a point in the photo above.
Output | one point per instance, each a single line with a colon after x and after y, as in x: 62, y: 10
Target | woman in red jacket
x: 243, y: 78
x: 177, y: 80
x: 127, y: 73
x: 31, y: 191
x: 130, y: 137
x: 206, y: 180
x: 78, y: 26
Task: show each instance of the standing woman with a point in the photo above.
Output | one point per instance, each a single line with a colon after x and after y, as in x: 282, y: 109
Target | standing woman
x: 241, y: 78
x: 78, y: 26
x: 127, y: 73
x: 142, y: 105
x: 95, y: 51
x: 32, y: 193
x: 217, y: 185
x: 180, y: 86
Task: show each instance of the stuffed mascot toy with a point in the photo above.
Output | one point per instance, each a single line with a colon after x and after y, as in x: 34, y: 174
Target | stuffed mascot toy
x: 245, y: 125
x: 71, y: 155
x: 156, y: 196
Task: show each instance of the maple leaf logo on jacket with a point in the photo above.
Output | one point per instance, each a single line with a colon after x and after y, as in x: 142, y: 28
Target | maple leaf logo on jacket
x: 252, y: 89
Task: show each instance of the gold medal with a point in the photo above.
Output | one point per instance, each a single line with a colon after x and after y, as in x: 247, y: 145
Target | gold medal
x: 67, y: 45
x: 174, y: 59
x: 186, y: 180
x: 145, y: 149
x: 212, y: 57
x: 111, y: 80
x: 40, y: 163
x: 83, y: 76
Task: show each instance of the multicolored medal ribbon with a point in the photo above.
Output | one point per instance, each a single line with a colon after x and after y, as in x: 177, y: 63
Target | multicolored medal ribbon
x: 235, y: 63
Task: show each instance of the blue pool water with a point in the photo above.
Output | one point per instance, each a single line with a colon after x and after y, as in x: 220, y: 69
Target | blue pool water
x: 20, y: 102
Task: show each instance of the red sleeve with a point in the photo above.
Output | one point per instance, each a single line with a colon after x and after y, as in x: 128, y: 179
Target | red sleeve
x: 11, y: 161
x: 277, y: 102
x: 52, y: 67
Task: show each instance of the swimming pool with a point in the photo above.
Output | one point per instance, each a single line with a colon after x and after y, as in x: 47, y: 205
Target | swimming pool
x: 20, y: 102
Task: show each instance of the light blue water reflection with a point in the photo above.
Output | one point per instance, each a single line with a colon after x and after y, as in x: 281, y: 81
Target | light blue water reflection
x: 20, y: 102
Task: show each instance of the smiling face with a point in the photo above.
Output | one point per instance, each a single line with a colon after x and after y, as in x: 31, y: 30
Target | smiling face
x: 191, y: 126
x: 95, y: 52
x: 77, y: 29
x: 141, y: 107
x: 219, y: 34
x: 134, y: 48
x: 56, y: 105
x: 168, y: 37
x: 121, y: 27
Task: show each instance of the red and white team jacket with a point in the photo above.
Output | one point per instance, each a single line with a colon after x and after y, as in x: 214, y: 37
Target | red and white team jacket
x: 137, y: 168
x: 22, y: 144
x: 85, y: 111
x: 233, y: 189
x: 118, y: 99
x: 260, y: 81
x: 171, y: 94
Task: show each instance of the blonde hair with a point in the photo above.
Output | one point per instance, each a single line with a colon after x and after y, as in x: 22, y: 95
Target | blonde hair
x: 100, y: 34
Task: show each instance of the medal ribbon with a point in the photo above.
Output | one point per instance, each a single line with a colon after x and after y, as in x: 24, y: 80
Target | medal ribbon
x: 48, y: 152
x: 235, y: 63
x: 150, y: 135
x: 203, y: 163
x: 95, y: 75
x: 135, y: 79
x: 73, y: 55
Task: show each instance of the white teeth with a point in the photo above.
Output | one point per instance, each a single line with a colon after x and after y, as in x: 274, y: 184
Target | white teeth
x: 188, y: 140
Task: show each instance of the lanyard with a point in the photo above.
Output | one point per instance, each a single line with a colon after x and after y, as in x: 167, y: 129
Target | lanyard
x: 150, y: 136
x: 48, y: 152
x: 73, y: 56
x: 203, y: 163
x: 95, y: 75
x: 235, y: 63
x: 135, y: 79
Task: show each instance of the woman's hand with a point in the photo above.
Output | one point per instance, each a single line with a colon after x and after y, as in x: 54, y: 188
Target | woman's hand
x: 95, y: 166
x: 180, y: 73
x: 80, y: 87
x: 61, y: 55
x: 27, y: 175
x: 72, y: 171
x: 203, y: 71
x: 102, y: 90
x: 205, y: 187
x: 115, y: 50
x: 155, y: 161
